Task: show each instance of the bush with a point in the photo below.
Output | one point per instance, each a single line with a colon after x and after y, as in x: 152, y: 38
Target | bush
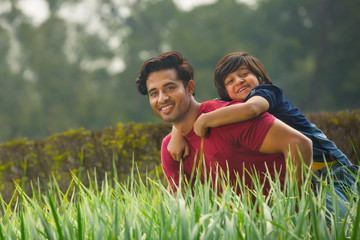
x: 343, y: 128
x: 36, y: 161
x: 74, y: 150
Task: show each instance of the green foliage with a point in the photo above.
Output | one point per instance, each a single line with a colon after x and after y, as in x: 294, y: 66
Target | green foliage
x: 60, y: 74
x: 139, y: 209
x: 80, y: 150
x: 343, y: 128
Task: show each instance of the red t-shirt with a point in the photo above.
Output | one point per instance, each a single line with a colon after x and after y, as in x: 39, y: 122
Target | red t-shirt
x: 235, y: 145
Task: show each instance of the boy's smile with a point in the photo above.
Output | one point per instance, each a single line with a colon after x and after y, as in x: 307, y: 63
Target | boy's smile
x: 239, y: 84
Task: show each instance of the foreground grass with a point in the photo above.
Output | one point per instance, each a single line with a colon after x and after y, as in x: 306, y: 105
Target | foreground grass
x: 146, y: 210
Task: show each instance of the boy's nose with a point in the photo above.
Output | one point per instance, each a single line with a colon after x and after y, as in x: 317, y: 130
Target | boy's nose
x: 239, y: 80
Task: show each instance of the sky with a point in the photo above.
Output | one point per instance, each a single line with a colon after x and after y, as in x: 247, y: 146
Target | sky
x: 39, y: 12
x: 187, y: 5
x: 36, y: 9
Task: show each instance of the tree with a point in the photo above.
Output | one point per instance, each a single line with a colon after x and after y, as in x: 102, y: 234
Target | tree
x: 315, y: 41
x: 149, y: 25
x: 62, y: 74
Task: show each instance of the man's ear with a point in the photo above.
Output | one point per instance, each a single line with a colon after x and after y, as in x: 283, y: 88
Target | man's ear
x: 190, y: 88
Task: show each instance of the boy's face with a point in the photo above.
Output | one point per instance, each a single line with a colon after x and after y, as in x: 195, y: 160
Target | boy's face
x: 239, y: 84
x: 168, y: 97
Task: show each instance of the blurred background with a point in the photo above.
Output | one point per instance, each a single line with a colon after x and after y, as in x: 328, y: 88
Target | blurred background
x: 73, y: 63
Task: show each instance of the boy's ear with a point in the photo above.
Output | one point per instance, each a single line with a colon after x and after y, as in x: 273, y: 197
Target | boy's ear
x: 190, y: 88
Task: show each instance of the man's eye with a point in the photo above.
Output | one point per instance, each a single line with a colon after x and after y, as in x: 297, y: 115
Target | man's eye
x: 152, y: 94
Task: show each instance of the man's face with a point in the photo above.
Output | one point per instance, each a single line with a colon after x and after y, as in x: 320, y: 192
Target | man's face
x: 168, y: 97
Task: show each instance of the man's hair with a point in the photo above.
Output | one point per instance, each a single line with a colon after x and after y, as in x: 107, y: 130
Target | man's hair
x: 167, y: 60
x: 230, y: 63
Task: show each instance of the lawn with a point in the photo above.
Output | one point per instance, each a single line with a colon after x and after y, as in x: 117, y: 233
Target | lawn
x: 142, y: 208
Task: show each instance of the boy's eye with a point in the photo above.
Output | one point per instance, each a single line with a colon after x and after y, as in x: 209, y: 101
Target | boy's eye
x: 228, y: 82
x: 244, y: 74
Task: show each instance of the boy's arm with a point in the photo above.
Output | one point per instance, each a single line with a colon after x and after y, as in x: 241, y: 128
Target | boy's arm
x: 285, y: 139
x: 230, y: 114
x: 178, y: 146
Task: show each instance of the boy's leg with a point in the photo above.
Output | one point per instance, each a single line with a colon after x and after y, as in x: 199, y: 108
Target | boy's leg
x: 343, y: 178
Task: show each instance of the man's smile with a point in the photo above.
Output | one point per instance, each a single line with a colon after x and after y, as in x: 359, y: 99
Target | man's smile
x: 167, y: 108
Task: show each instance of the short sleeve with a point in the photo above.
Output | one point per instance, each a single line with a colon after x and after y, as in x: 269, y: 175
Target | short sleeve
x: 271, y: 93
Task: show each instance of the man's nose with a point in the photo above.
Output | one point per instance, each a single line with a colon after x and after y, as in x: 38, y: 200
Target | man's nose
x: 163, y: 97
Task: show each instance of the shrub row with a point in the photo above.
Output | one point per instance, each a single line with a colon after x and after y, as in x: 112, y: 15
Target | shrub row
x: 37, y: 161
x: 343, y: 128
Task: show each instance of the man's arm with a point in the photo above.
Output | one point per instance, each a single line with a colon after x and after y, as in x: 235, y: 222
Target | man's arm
x: 178, y: 146
x: 285, y: 139
x: 170, y: 167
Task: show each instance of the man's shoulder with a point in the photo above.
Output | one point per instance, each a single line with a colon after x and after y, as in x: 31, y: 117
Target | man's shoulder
x: 166, y: 140
x: 221, y: 102
x: 212, y: 105
x: 165, y: 155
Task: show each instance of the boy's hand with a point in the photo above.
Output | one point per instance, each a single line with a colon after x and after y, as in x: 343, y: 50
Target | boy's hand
x: 178, y: 147
x: 200, y: 127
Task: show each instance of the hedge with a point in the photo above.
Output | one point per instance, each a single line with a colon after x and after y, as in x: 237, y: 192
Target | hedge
x: 58, y: 156
x: 343, y: 128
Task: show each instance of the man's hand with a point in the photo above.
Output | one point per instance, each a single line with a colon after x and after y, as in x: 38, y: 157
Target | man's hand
x: 200, y: 126
x: 178, y: 147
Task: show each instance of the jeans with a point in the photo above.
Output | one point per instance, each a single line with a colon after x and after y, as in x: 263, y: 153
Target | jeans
x: 323, y: 147
x: 345, y: 185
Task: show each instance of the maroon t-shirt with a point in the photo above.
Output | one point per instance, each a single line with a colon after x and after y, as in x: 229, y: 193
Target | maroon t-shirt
x: 235, y: 146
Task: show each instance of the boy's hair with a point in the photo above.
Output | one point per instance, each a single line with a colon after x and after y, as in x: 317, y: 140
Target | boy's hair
x: 230, y: 63
x: 167, y: 60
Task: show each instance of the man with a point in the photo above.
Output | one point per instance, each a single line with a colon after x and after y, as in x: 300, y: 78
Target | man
x: 258, y: 145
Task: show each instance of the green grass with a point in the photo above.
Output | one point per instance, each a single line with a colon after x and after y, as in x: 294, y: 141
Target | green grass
x: 144, y: 209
